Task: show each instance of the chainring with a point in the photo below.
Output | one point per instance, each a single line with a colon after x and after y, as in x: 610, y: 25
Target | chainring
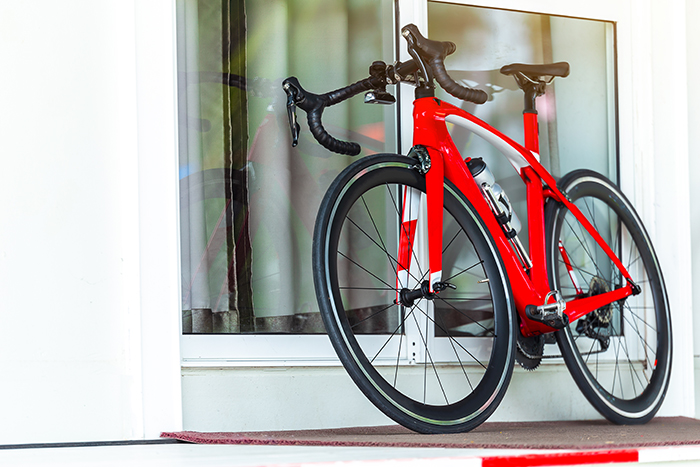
x: 530, y: 351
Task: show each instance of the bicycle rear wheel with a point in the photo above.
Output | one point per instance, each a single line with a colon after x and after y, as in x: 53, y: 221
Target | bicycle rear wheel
x: 619, y: 355
x: 441, y: 365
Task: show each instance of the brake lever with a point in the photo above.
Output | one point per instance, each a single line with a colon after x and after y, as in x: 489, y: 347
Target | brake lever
x: 292, y: 113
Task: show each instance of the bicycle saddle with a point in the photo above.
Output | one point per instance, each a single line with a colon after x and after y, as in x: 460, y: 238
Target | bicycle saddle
x: 533, y: 72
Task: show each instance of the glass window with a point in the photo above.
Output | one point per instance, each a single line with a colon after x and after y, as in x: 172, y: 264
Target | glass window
x: 577, y: 115
x: 578, y: 125
x: 247, y: 200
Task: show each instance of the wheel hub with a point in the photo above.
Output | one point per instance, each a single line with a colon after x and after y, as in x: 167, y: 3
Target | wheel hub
x: 408, y: 297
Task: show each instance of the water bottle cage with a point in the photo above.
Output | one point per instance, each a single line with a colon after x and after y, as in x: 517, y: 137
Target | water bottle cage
x: 503, y: 215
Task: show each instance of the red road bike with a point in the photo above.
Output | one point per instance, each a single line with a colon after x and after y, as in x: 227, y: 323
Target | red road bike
x: 426, y: 290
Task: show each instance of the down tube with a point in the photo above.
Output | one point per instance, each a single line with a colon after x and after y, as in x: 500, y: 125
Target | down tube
x: 455, y: 169
x: 524, y: 290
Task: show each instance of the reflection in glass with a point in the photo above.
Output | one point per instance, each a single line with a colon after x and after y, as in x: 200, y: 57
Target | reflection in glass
x: 578, y: 126
x: 248, y: 201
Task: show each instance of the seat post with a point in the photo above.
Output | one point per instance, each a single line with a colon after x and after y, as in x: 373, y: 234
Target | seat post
x: 531, y: 79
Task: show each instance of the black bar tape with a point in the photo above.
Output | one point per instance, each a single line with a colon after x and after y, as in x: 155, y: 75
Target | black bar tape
x: 314, y: 104
x: 339, y: 95
x: 326, y: 140
x: 476, y: 96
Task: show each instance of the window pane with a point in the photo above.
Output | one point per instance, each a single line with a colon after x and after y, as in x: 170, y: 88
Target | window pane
x: 577, y: 113
x: 248, y: 200
x: 577, y: 118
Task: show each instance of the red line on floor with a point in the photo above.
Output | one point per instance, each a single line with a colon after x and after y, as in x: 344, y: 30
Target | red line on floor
x: 563, y: 458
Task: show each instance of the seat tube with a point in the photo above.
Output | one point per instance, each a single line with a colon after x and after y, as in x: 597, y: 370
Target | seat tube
x: 531, y: 128
x: 536, y: 233
x: 535, y: 198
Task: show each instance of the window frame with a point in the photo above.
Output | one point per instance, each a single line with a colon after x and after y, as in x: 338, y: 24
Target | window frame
x: 245, y: 350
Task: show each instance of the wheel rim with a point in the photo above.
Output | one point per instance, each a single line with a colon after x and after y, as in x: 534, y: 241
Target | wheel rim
x: 622, y: 350
x: 430, y: 360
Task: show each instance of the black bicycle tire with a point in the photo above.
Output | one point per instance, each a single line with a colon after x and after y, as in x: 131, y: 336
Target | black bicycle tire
x: 389, y: 400
x: 641, y: 408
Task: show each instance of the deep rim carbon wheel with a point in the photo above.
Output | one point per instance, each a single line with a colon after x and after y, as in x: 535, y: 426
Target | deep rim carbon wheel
x: 443, y: 364
x: 619, y: 355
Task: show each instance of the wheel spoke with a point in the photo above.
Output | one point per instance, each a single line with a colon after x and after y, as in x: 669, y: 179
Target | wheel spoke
x: 452, y: 343
x: 365, y: 269
x: 466, y: 316
x: 452, y: 339
x: 615, y: 370
x: 401, y: 225
x: 403, y: 320
x: 463, y: 271
x: 372, y: 315
x: 425, y: 365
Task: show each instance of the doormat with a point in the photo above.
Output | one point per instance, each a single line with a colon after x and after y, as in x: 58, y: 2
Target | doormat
x: 591, y: 434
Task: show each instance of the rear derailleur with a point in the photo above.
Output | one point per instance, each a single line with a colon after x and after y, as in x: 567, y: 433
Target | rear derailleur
x: 597, y: 324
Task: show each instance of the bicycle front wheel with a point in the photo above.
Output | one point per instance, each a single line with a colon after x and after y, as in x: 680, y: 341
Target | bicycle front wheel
x: 619, y: 355
x: 443, y: 364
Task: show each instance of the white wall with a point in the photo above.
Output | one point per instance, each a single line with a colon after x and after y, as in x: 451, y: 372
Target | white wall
x: 671, y: 203
x: 76, y: 254
x: 693, y: 73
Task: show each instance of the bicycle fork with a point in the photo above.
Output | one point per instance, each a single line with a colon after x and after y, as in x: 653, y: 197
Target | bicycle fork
x: 431, y: 165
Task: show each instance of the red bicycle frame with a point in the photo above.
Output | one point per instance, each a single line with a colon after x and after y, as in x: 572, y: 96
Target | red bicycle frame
x: 530, y: 286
